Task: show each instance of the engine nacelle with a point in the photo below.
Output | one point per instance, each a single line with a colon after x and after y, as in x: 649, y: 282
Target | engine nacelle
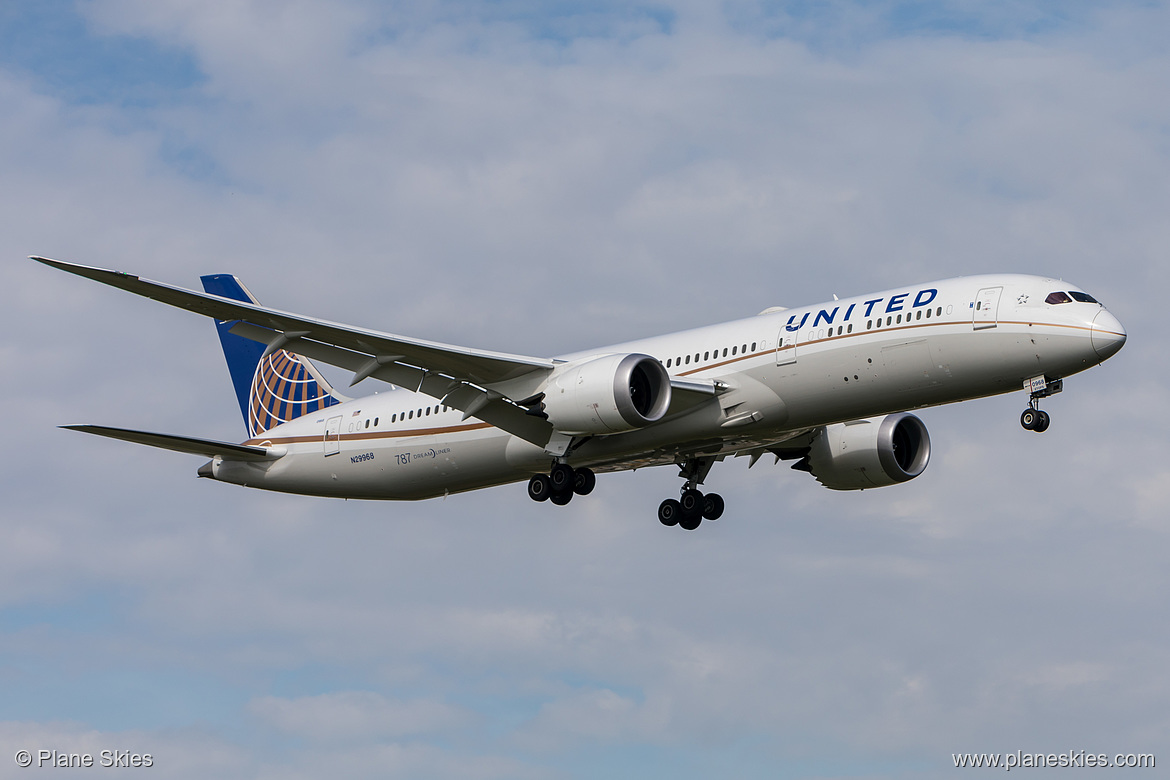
x: 608, y: 394
x: 870, y: 453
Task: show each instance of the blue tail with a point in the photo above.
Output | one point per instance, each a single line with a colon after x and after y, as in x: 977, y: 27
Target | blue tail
x: 273, y: 389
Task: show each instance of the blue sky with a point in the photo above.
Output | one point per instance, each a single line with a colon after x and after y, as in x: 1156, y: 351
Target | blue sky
x: 535, y: 181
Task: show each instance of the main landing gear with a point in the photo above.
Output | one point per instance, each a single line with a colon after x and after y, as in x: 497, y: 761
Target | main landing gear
x: 691, y: 509
x: 692, y: 506
x: 561, y: 483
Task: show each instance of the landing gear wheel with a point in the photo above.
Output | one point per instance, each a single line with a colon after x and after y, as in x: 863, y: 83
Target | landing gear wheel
x: 1042, y: 422
x: 692, y: 502
x: 561, y: 497
x: 669, y: 512
x: 562, y: 477
x: 539, y: 487
x: 1029, y: 419
x: 712, y: 506
x: 690, y: 522
x: 584, y: 481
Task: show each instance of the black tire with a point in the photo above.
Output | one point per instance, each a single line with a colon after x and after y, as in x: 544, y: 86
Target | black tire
x: 669, y: 512
x: 561, y: 497
x: 1029, y: 419
x: 562, y: 477
x: 1043, y: 422
x: 584, y: 480
x: 539, y: 487
x: 690, y: 522
x: 712, y: 506
x: 691, y: 502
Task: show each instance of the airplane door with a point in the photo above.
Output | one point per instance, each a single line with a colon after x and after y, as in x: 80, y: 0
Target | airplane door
x: 333, y: 436
x: 986, y: 312
x: 785, y: 348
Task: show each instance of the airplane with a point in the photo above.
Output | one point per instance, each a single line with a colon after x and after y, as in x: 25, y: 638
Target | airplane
x: 828, y: 387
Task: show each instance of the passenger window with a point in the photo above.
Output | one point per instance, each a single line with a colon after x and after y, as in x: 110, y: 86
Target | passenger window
x: 733, y: 350
x: 743, y: 349
x: 928, y: 313
x: 411, y: 415
x: 688, y: 360
x: 696, y: 357
x: 393, y: 418
x: 889, y: 320
x: 1081, y: 297
x: 706, y: 356
x: 939, y: 312
x: 668, y: 362
x: 725, y: 352
x: 869, y: 324
x: 375, y: 422
x: 753, y: 346
x: 850, y: 328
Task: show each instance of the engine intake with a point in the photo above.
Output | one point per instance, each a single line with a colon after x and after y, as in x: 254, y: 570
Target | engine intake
x: 609, y: 394
x: 875, y: 452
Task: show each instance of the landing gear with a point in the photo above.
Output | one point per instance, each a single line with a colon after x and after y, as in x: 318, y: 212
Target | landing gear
x: 692, y: 506
x: 1033, y: 419
x: 669, y: 512
x: 712, y: 506
x: 561, y: 483
x: 539, y: 487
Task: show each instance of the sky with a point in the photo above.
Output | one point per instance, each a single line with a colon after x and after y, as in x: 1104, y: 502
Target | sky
x: 538, y: 179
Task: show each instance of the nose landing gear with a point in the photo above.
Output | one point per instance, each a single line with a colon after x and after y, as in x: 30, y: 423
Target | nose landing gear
x: 1039, y: 387
x: 1035, y: 420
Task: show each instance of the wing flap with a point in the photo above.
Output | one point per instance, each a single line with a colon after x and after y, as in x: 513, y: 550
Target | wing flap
x: 206, y: 447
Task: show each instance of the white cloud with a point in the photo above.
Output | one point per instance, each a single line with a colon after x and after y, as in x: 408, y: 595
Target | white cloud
x: 356, y: 716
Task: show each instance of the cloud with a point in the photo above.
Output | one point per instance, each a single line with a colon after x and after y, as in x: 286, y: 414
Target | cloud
x: 355, y: 716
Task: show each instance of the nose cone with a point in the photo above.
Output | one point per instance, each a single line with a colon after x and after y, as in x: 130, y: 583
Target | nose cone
x: 1108, y: 335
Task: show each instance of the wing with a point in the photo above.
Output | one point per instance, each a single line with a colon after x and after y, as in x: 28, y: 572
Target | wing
x: 460, y: 377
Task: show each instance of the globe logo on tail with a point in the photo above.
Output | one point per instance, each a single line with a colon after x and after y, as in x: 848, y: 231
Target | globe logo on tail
x: 283, y: 389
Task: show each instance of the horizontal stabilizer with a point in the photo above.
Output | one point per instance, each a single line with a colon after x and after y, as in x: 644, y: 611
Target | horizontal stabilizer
x: 187, y: 444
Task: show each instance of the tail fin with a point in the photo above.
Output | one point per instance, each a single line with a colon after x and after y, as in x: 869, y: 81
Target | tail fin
x: 273, y: 389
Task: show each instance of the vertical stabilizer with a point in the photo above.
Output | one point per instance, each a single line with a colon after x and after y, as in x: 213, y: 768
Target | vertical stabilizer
x: 271, y: 389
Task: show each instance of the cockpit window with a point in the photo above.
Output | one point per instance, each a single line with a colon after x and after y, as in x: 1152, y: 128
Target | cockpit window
x: 1057, y: 297
x: 1081, y: 297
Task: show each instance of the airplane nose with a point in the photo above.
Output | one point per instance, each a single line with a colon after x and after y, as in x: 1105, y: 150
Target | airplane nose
x: 1108, y: 335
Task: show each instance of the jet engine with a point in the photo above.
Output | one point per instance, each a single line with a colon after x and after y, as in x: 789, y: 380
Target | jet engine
x: 608, y: 394
x: 869, y: 453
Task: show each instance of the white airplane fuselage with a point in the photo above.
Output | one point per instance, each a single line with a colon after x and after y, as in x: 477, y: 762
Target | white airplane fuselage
x: 781, y: 373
